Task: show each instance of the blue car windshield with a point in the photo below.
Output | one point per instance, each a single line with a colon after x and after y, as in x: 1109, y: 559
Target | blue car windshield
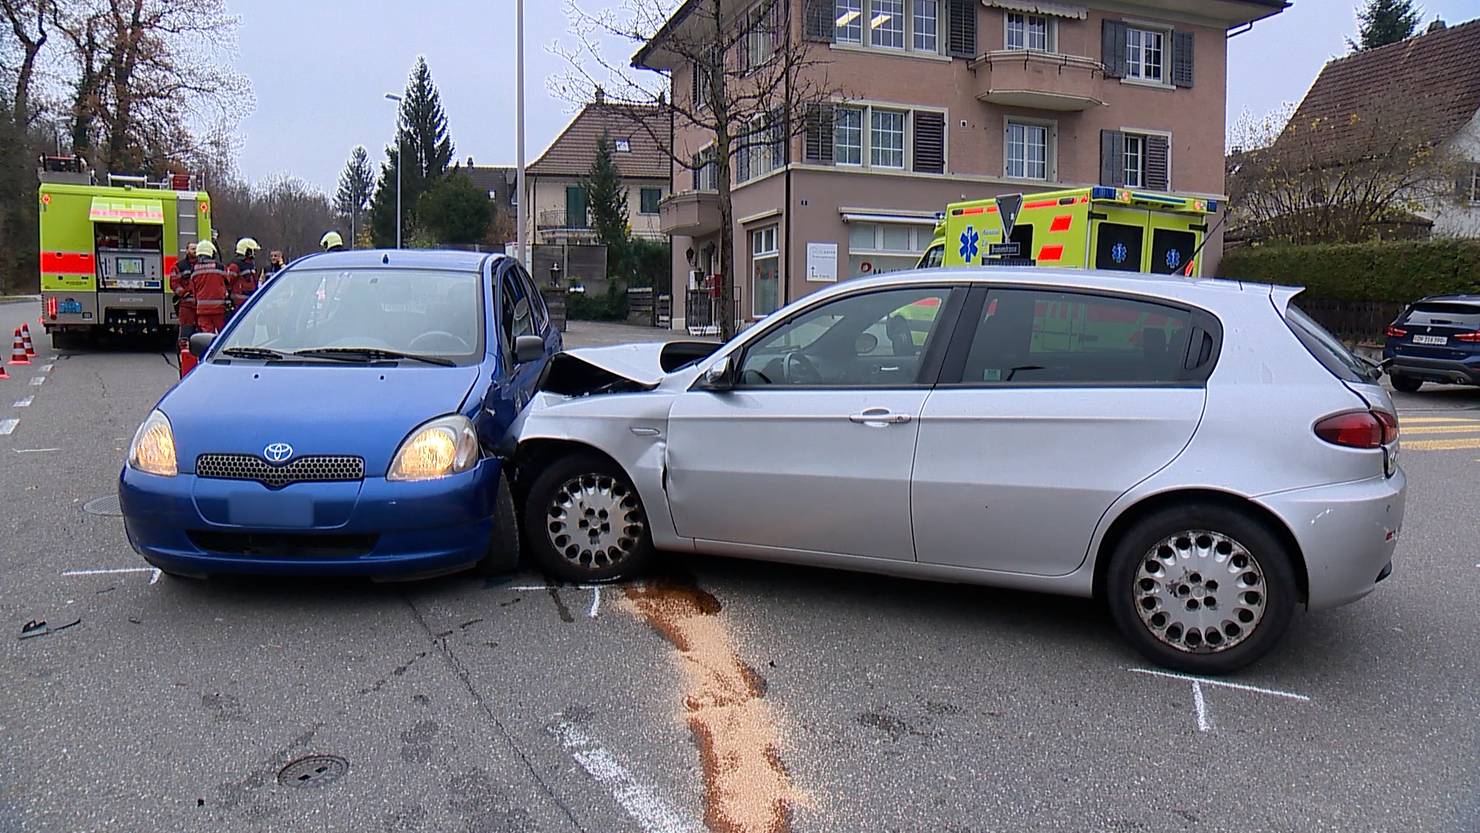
x: 421, y: 312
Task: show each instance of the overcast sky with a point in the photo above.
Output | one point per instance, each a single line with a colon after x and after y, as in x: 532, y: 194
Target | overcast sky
x: 321, y: 67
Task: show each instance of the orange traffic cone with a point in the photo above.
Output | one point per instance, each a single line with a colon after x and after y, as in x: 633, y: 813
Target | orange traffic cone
x: 3, y: 374
x: 187, y: 359
x: 26, y: 340
x: 18, y: 349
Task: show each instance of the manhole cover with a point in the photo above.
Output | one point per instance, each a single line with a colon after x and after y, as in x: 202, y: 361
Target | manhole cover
x: 313, y: 771
x: 103, y: 506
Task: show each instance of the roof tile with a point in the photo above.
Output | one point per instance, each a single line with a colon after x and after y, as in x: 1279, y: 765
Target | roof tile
x: 574, y: 149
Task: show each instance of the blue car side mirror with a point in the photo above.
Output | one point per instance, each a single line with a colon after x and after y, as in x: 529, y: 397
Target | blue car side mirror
x: 528, y: 349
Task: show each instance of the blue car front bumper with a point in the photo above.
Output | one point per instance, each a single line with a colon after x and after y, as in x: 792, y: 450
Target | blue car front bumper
x: 202, y: 526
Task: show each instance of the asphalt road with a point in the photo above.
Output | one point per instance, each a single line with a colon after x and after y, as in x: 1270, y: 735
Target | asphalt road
x: 463, y: 704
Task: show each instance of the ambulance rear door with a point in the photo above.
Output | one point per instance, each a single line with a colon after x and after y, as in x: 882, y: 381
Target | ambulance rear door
x: 1118, y: 237
x: 1172, y: 239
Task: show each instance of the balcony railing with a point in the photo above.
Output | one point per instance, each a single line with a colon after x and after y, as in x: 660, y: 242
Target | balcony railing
x: 558, y: 218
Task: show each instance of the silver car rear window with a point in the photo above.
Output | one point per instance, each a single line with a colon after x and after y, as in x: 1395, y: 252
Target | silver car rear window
x: 1327, y: 349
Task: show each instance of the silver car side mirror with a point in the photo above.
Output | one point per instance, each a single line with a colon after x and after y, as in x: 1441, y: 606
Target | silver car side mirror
x: 719, y: 376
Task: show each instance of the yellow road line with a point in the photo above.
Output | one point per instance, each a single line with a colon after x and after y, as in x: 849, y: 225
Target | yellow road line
x: 1442, y: 445
x: 1441, y: 429
x: 1426, y: 420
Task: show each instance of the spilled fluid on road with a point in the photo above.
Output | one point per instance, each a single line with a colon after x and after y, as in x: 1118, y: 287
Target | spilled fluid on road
x: 746, y: 786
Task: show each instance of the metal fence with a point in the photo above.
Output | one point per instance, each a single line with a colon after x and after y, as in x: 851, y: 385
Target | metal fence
x: 703, y: 312
x: 1360, y: 322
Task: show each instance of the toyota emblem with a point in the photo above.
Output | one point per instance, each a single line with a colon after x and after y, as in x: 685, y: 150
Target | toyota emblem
x: 278, y: 452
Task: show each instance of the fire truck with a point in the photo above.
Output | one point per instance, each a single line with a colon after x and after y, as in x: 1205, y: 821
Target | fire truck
x: 1099, y: 227
x: 107, y: 251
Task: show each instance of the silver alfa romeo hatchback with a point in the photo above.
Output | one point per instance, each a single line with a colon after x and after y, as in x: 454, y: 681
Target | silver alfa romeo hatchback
x: 1199, y: 454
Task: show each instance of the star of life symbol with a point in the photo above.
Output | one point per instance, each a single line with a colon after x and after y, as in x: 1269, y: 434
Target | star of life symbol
x: 969, y: 241
x: 1119, y: 253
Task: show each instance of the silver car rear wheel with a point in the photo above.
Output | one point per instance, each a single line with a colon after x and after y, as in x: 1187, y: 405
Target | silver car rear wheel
x: 1200, y: 592
x: 595, y: 521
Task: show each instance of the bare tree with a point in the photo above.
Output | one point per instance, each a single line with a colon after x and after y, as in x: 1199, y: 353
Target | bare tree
x: 1339, y: 178
x: 753, y: 83
x: 143, y: 69
x: 20, y: 14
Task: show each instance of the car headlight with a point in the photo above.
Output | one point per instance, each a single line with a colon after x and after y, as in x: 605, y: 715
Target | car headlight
x: 153, y: 448
x: 445, y: 446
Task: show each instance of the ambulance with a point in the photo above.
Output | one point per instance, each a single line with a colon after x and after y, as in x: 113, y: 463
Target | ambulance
x: 1099, y: 227
x: 107, y: 251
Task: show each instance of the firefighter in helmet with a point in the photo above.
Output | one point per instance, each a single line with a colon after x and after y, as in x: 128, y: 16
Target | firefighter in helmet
x: 331, y: 242
x: 241, y: 275
x: 208, y: 284
x: 180, y: 289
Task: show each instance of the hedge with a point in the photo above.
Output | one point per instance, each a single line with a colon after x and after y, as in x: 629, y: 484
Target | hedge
x: 1396, y: 271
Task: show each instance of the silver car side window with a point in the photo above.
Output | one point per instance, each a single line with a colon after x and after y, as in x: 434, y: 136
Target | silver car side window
x: 872, y: 339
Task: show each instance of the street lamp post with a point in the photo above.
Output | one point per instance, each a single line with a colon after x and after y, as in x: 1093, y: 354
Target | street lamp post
x: 521, y: 208
x: 399, y: 153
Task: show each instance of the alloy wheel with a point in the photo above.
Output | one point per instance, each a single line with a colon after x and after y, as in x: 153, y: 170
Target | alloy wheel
x: 594, y: 521
x: 1200, y: 592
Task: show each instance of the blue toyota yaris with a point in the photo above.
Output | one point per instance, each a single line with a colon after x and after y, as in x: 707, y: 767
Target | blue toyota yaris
x: 344, y: 423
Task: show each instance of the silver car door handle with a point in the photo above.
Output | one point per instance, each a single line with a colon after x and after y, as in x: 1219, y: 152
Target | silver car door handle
x: 879, y: 416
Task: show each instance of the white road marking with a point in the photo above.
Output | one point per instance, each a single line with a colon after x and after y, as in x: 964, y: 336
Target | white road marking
x: 109, y: 572
x: 595, y: 603
x: 38, y: 381
x: 1203, y: 723
x: 8, y: 425
x: 35, y: 450
x: 554, y: 586
x: 23, y: 403
x: 46, y: 368
x: 153, y: 575
x: 1222, y: 684
x: 650, y: 811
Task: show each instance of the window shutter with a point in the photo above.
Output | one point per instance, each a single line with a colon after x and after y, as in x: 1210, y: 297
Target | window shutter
x: 1158, y: 170
x: 1112, y: 43
x: 1112, y: 158
x: 819, y: 23
x: 930, y: 143
x: 819, y: 130
x: 1182, y: 59
x: 742, y: 161
x: 961, y: 18
x: 777, y: 21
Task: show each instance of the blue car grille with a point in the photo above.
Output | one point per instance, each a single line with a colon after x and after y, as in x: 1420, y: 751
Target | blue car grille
x: 322, y: 469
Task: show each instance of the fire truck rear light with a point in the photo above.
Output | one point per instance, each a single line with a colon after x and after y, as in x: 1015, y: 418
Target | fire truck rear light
x: 51, y: 308
x: 1355, y: 429
x: 1396, y: 332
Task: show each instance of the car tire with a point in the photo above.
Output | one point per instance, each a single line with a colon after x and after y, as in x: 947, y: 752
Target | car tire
x: 504, y: 547
x: 588, y: 496
x: 1177, y: 613
x: 1406, y: 384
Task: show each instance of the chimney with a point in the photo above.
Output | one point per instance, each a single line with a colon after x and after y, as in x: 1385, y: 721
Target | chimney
x: 1437, y: 26
x: 600, y: 95
x: 470, y: 160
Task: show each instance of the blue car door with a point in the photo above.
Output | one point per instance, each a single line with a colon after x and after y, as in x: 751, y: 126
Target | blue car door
x: 520, y: 312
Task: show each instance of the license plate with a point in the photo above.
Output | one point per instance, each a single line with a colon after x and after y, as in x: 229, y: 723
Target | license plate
x: 1438, y: 340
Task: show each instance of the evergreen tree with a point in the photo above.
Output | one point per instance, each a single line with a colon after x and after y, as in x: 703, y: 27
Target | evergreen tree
x: 1381, y: 22
x: 421, y: 134
x: 455, y: 211
x: 606, y: 200
x: 356, y: 185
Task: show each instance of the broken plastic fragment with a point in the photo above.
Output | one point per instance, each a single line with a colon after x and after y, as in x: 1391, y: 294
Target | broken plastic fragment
x: 34, y: 628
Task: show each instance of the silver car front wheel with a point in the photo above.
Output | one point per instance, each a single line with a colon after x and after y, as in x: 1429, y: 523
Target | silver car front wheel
x: 584, y: 520
x: 595, y: 521
x: 1200, y: 591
